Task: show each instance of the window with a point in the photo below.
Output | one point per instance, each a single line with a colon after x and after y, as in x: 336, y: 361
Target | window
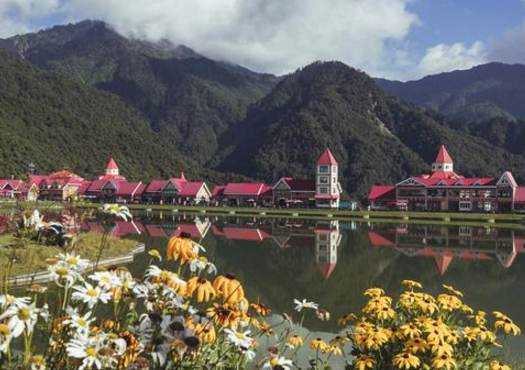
x: 323, y: 180
x: 323, y: 169
x: 323, y: 190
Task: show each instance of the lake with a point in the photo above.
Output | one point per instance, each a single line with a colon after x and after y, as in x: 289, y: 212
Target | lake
x: 332, y: 262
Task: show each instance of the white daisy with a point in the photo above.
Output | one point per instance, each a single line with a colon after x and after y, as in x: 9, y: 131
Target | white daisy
x: 304, y: 304
x: 20, y: 317
x: 74, y: 262
x: 8, y: 299
x: 86, y: 349
x: 5, y: 338
x: 106, y: 280
x: 118, y: 211
x: 63, y: 276
x: 239, y: 339
x: 90, y: 295
x: 199, y: 264
x: 80, y: 323
x: 278, y: 362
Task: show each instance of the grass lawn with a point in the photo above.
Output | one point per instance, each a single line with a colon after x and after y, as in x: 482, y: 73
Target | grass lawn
x: 31, y: 257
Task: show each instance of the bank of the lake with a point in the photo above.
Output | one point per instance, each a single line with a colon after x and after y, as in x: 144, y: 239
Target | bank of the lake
x: 514, y: 221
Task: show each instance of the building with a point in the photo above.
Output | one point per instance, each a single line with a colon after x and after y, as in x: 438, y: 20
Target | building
x: 327, y: 240
x: 10, y: 188
x: 446, y: 191
x: 298, y: 193
x: 112, y: 187
x: 243, y: 194
x: 58, y: 186
x: 328, y: 189
x: 176, y: 191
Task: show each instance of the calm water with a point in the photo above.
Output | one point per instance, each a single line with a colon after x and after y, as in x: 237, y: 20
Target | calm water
x: 332, y: 262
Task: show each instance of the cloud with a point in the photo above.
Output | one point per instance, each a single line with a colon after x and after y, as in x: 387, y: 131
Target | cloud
x: 16, y: 16
x: 445, y: 58
x: 510, y: 48
x: 266, y: 35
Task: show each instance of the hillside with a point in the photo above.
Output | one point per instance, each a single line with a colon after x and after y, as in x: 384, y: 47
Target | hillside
x: 55, y: 122
x: 481, y: 93
x: 193, y: 101
x: 376, y: 137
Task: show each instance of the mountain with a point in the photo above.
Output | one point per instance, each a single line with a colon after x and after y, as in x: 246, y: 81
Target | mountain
x: 481, y: 93
x: 375, y: 137
x: 191, y: 100
x: 55, y: 122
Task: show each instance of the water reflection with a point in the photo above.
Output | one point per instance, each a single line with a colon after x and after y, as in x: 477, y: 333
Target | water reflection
x: 332, y: 262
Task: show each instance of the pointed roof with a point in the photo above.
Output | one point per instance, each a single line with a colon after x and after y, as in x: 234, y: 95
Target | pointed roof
x: 443, y: 262
x: 327, y: 159
x: 182, y: 177
x: 112, y: 165
x: 443, y: 156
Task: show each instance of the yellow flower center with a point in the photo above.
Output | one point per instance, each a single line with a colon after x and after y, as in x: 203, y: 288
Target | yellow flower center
x: 81, y: 322
x: 4, y: 330
x: 72, y: 261
x: 274, y: 362
x: 164, y: 275
x: 23, y: 314
x: 62, y: 271
x: 240, y: 335
x: 92, y: 293
x: 91, y: 351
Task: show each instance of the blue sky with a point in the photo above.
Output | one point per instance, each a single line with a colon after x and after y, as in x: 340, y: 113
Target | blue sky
x: 401, y: 39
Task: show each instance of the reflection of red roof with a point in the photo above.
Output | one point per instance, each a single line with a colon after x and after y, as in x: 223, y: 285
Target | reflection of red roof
x: 124, y: 228
x: 327, y: 159
x: 326, y: 269
x: 378, y: 240
x: 189, y: 228
x: 250, y: 234
x: 443, y: 262
x: 156, y: 231
x: 382, y: 192
x: 519, y: 197
x: 443, y: 156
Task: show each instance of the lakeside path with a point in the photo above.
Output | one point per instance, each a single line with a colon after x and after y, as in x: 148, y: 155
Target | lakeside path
x: 513, y: 221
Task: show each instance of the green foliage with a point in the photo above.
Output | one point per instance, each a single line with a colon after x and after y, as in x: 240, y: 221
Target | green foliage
x: 375, y: 137
x: 483, y: 92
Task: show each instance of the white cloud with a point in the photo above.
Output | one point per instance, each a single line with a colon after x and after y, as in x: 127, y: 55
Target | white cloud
x: 266, y: 35
x: 16, y: 15
x: 445, y: 58
x: 510, y: 48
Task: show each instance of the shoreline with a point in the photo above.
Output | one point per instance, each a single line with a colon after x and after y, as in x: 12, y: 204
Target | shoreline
x: 513, y: 221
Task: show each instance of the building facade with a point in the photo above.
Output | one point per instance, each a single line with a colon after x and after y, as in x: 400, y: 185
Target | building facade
x: 328, y: 189
x: 443, y: 190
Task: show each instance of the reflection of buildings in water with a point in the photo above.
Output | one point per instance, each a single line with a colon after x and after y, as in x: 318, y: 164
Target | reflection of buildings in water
x: 324, y: 236
x: 327, y: 240
x: 197, y: 227
x: 445, y: 244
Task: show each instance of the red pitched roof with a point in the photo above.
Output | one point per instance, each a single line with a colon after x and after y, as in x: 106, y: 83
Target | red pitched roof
x: 13, y: 184
x: 190, y: 189
x: 112, y: 165
x: 378, y: 240
x: 155, y: 186
x: 244, y: 188
x: 519, y: 196
x: 443, y: 156
x: 218, y: 191
x: 298, y: 185
x: 383, y: 192
x: 327, y: 159
x: 128, y: 188
x: 85, y: 186
x: 96, y: 185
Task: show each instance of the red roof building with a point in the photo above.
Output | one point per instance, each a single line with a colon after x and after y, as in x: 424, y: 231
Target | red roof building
x: 58, y: 186
x: 112, y: 172
x: 328, y: 189
x: 297, y: 193
x: 176, y: 191
x: 444, y: 190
